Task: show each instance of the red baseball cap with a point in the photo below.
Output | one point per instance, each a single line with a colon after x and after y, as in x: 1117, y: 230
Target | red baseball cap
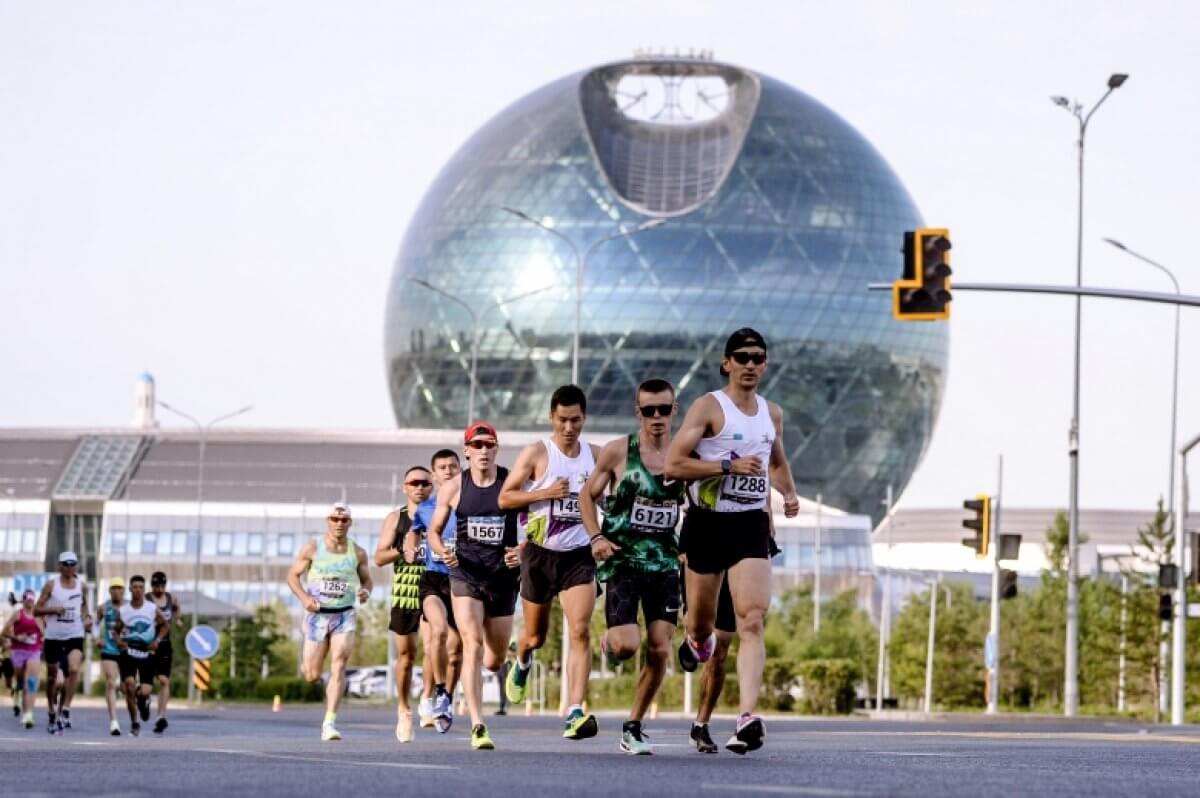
x: 480, y: 428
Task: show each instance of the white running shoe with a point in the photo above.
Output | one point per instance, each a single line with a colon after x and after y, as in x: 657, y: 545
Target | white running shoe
x: 425, y: 711
x: 329, y: 733
x: 404, y: 727
x: 114, y: 728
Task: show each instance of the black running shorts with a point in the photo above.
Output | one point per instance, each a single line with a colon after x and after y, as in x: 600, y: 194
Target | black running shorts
x: 657, y: 593
x: 140, y: 669
x: 405, y: 622
x: 499, y: 596
x: 546, y: 573
x: 164, y: 658
x: 435, y: 584
x: 55, y: 652
x: 715, y: 542
x: 726, y: 617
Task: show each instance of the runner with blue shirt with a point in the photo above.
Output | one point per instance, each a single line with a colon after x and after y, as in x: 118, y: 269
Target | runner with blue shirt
x: 110, y: 653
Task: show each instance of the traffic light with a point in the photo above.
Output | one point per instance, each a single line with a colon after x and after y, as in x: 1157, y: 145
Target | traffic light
x: 923, y: 293
x: 1008, y: 584
x: 1168, y: 576
x: 1164, y: 607
x: 981, y: 505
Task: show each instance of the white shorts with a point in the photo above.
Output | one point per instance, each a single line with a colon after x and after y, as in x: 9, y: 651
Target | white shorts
x: 320, y: 626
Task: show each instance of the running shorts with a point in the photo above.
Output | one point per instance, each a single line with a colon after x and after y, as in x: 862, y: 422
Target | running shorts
x: 22, y: 657
x: 715, y: 542
x: 657, y: 593
x: 499, y: 596
x: 106, y: 657
x: 726, y: 617
x: 319, y: 626
x: 164, y: 657
x: 140, y: 669
x: 546, y: 573
x: 55, y: 652
x: 405, y: 621
x: 437, y: 585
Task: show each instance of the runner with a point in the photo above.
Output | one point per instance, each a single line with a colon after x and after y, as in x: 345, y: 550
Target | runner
x: 407, y: 567
x: 556, y: 558
x: 636, y: 548
x: 334, y: 568
x: 444, y: 643
x: 140, y: 629
x: 63, y: 602
x: 165, y: 658
x: 483, y: 558
x: 738, y: 437
x: 110, y: 652
x: 24, y: 631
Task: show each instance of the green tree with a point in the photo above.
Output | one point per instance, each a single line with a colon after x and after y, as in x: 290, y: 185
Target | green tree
x: 958, y: 671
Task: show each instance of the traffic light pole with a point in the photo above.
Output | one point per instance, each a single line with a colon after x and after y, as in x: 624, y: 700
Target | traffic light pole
x: 1068, y: 290
x: 993, y: 701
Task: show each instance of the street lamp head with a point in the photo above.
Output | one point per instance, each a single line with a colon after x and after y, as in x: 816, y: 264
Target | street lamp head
x: 1116, y: 79
x: 1060, y: 101
x: 1114, y: 242
x: 650, y: 224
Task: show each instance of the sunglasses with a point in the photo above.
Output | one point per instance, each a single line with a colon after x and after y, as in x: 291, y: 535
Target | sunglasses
x: 742, y: 358
x: 650, y: 411
x: 419, y: 483
x: 482, y: 444
x: 69, y: 563
x: 339, y: 519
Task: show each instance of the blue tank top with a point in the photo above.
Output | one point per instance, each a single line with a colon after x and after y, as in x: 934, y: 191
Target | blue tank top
x: 421, y: 524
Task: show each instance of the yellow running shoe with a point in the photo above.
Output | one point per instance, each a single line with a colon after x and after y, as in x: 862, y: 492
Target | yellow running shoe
x: 480, y: 739
x: 516, y: 685
x: 580, y: 726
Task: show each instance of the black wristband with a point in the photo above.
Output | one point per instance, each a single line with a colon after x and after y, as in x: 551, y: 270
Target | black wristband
x: 596, y: 537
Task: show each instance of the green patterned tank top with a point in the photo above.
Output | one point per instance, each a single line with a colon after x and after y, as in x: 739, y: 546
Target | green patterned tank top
x: 642, y: 517
x: 406, y: 577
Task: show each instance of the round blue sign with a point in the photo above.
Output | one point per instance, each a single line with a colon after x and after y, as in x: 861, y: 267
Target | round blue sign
x: 202, y: 641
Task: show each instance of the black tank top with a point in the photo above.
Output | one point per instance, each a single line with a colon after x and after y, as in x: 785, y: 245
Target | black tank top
x: 484, y: 530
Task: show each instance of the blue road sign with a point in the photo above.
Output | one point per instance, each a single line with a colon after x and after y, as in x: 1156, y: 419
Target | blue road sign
x: 202, y: 641
x: 29, y: 580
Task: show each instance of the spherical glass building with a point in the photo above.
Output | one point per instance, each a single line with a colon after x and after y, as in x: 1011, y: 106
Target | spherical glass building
x: 701, y: 197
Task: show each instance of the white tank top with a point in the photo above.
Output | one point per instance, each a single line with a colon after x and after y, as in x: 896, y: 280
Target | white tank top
x: 138, y: 628
x: 741, y: 436
x: 557, y: 524
x: 69, y: 625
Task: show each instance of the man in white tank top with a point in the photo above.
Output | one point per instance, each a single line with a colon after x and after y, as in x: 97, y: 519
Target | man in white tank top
x: 730, y: 448
x: 556, y: 557
x: 63, y: 603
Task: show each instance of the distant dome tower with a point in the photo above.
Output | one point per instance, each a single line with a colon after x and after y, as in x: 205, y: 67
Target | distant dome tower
x: 143, y: 402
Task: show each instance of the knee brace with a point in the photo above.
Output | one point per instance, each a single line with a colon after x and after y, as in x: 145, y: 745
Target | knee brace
x: 31, y: 684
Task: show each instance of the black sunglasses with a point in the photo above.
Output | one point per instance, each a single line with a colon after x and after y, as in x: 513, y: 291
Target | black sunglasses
x: 477, y: 444
x: 742, y: 358
x: 650, y: 411
x: 419, y: 483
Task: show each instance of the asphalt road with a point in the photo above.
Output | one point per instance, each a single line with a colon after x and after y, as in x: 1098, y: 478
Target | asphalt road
x: 251, y: 751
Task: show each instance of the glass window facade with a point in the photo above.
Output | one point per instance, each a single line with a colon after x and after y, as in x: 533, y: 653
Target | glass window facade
x: 786, y: 242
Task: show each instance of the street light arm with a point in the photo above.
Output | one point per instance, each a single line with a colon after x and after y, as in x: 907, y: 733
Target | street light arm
x: 1144, y: 259
x: 426, y: 284
x: 507, y: 300
x: 538, y: 223
x: 228, y: 416
x: 1083, y: 122
x: 180, y: 413
x: 648, y: 225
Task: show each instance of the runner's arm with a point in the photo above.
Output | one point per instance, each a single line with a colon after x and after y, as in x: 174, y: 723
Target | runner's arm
x: 8, y: 626
x: 176, y: 612
x: 680, y: 464
x: 161, y: 626
x: 365, y: 585
x: 297, y: 570
x: 83, y: 606
x: 42, y: 608
x: 385, y: 553
x: 447, y: 500
x: 605, y: 473
x: 512, y: 497
x: 780, y: 468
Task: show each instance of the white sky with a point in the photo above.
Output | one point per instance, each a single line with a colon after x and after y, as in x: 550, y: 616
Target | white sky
x: 215, y: 192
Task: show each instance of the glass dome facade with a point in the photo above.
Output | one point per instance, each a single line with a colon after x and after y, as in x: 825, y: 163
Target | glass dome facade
x: 776, y: 214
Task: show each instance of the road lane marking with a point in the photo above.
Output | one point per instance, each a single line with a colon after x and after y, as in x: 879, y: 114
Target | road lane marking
x: 998, y: 735
x: 916, y: 753
x: 294, y: 758
x: 89, y: 742
x: 779, y: 789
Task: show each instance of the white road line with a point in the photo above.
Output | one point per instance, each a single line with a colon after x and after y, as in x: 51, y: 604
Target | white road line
x: 294, y: 758
x: 89, y: 742
x: 916, y: 753
x: 778, y: 789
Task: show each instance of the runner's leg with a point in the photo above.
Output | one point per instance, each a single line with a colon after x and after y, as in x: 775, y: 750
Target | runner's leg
x: 533, y: 632
x: 658, y: 652
x: 578, y: 603
x: 439, y: 629
x: 750, y: 584
x: 713, y: 679
x: 314, y: 658
x: 340, y: 646
x: 406, y: 652
x: 74, y: 660
x: 702, y: 592
x: 112, y: 683
x: 454, y: 659
x: 468, y: 614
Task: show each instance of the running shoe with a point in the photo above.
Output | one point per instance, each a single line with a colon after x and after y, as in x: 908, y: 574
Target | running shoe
x: 135, y: 728
x: 114, y: 728
x: 443, y: 712
x: 480, y: 739
x: 748, y: 734
x: 143, y: 707
x: 701, y: 739
x: 65, y: 718
x: 160, y: 725
x: 579, y: 726
x: 27, y: 721
x: 633, y: 739
x: 16, y: 711
x: 404, y: 727
x: 329, y: 733
x: 515, y: 684
x: 690, y: 657
x: 609, y: 657
x: 425, y: 710
x: 51, y: 724
x: 58, y: 726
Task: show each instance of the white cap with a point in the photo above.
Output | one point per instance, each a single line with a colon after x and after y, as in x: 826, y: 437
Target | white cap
x: 67, y: 556
x: 340, y: 508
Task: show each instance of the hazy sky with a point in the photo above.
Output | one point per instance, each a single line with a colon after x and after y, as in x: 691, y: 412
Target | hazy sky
x: 215, y: 192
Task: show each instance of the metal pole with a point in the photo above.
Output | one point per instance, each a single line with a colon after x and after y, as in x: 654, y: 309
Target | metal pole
x: 885, y: 606
x: 474, y: 367
x: 1121, y: 659
x: 933, y: 598
x: 817, y: 571
x: 578, y: 327
x: 993, y: 703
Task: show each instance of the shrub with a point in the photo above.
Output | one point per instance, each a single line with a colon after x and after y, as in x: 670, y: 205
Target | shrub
x: 828, y: 685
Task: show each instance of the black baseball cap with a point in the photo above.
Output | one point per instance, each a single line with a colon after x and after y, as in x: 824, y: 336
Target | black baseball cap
x: 743, y: 338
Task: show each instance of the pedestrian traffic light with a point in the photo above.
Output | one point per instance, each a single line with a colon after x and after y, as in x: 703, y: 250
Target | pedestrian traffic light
x: 1164, y: 606
x: 1168, y: 576
x: 923, y: 293
x: 1008, y: 584
x: 981, y: 505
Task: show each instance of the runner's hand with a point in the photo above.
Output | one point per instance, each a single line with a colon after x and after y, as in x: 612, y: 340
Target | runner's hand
x: 363, y: 595
x: 311, y: 604
x: 747, y: 466
x: 410, y: 553
x: 450, y: 558
x: 561, y: 489
x: 512, y: 556
x: 791, y: 505
x: 603, y: 548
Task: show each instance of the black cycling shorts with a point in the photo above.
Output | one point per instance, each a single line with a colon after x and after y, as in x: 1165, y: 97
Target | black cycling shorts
x: 657, y: 593
x: 545, y: 573
x: 55, y: 652
x: 726, y: 617
x: 437, y: 585
x: 140, y: 669
x: 715, y: 542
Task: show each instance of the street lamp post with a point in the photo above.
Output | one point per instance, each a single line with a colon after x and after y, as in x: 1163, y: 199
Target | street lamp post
x: 203, y: 429
x: 580, y: 265
x: 476, y: 318
x: 1071, y: 687
x: 1179, y: 620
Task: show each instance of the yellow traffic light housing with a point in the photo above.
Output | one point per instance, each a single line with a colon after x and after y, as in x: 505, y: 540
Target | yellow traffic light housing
x: 981, y: 506
x: 923, y: 293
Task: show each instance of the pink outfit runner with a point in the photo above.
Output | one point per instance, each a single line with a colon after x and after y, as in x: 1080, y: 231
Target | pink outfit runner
x: 27, y: 639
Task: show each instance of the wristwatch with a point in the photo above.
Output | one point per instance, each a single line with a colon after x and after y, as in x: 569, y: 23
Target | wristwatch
x: 726, y: 466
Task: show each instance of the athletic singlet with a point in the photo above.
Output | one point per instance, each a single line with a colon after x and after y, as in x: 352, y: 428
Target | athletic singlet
x: 422, y: 523
x: 108, y: 619
x: 165, y: 607
x: 741, y: 436
x: 642, y: 516
x: 556, y: 524
x: 483, y: 529
x: 27, y: 635
x: 138, y: 629
x: 333, y: 577
x: 406, y: 576
x: 69, y: 625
